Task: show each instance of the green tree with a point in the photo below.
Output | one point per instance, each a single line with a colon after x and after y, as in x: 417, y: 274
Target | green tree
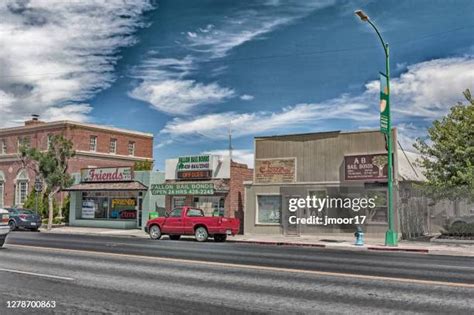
x: 143, y: 166
x: 448, y: 153
x: 52, y: 166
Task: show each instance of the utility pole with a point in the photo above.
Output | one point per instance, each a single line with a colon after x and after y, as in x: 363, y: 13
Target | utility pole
x: 230, y: 142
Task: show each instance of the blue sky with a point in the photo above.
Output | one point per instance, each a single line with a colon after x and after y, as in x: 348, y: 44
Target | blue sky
x: 187, y: 70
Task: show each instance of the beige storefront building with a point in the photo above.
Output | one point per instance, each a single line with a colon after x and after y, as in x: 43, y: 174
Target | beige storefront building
x: 321, y: 164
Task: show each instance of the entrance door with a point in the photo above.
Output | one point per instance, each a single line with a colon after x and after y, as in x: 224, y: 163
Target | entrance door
x: 139, y: 209
x: 1, y: 194
x: 290, y: 229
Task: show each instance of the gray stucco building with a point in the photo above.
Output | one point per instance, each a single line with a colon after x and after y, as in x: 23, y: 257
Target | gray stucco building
x: 322, y: 164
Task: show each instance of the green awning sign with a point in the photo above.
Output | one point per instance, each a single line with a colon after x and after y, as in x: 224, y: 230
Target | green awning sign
x: 384, y: 104
x: 183, y: 189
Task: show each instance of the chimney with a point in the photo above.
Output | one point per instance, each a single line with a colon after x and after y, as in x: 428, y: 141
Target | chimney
x: 34, y: 120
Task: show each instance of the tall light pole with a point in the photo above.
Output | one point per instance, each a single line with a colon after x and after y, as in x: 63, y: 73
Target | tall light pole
x: 391, y: 237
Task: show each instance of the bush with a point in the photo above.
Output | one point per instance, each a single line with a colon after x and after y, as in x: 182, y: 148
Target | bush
x: 58, y: 220
x: 66, y: 204
x: 460, y: 229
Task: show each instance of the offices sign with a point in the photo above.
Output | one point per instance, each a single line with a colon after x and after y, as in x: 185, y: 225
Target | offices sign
x: 275, y: 170
x: 194, y: 163
x: 183, y: 189
x: 190, y: 175
x: 369, y: 166
x: 108, y: 174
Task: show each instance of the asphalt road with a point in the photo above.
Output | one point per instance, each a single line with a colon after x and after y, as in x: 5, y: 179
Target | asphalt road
x: 89, y: 274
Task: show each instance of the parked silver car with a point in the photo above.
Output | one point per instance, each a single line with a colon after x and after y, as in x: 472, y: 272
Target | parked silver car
x: 4, y: 227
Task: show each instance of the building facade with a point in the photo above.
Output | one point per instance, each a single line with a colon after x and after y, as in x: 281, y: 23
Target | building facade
x: 95, y: 146
x: 114, y: 197
x: 328, y: 164
x: 211, y: 182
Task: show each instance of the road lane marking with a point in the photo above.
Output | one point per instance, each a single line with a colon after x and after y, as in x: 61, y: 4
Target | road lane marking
x: 36, y: 274
x: 252, y: 267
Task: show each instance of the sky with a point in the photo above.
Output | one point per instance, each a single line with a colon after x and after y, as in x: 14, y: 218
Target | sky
x: 190, y: 71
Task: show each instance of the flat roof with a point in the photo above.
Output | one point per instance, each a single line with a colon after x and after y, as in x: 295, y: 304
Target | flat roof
x: 318, y: 133
x: 74, y: 123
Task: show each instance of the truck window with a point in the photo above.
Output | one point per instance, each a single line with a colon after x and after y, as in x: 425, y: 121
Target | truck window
x: 195, y: 213
x: 176, y: 213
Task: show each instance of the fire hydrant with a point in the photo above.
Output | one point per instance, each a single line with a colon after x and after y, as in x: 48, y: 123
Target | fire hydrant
x: 359, y: 234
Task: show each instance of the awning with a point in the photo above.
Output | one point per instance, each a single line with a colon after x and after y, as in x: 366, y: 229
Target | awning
x: 108, y: 186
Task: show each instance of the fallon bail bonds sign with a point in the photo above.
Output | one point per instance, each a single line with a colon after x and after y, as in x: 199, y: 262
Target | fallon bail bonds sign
x: 183, y: 189
x: 108, y: 174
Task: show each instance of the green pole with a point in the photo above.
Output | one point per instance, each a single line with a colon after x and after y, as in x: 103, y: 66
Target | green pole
x: 391, y: 237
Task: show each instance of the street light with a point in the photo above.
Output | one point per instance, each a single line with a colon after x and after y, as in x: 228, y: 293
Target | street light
x: 391, y: 237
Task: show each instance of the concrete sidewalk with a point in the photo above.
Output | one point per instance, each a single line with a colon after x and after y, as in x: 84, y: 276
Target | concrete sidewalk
x: 324, y: 241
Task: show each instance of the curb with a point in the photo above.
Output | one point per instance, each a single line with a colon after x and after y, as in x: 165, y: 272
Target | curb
x: 438, y: 240
x: 371, y: 248
x: 278, y: 243
x: 389, y: 249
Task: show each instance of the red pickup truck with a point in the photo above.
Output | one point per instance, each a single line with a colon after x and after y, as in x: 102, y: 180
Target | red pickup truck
x: 191, y: 221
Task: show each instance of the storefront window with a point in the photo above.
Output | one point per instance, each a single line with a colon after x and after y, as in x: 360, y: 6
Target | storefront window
x: 123, y: 208
x: 178, y: 202
x: 109, y: 205
x: 268, y: 209
x: 211, y: 205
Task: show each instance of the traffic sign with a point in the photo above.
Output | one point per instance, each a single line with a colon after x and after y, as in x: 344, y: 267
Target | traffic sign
x: 38, y: 184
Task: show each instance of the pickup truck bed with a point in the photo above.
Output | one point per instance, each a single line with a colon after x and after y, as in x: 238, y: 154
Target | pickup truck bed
x: 191, y: 221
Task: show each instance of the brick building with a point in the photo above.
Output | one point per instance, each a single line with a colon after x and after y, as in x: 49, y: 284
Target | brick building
x: 95, y: 146
x: 211, y: 182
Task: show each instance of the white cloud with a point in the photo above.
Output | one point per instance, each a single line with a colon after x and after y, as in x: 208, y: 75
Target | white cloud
x: 182, y: 94
x: 58, y: 52
x: 246, y: 97
x: 241, y: 156
x: 246, y: 25
x: 179, y: 97
x: 426, y: 91
x: 163, y: 143
x: 75, y: 112
x: 215, y: 125
x: 408, y: 133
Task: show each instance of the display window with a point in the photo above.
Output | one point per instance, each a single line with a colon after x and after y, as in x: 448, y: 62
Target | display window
x: 269, y: 209
x: 109, y: 205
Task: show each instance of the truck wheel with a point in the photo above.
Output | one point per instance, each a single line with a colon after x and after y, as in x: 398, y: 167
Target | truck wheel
x: 201, y: 234
x: 12, y: 225
x: 220, y: 238
x: 155, y: 232
x: 175, y: 237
